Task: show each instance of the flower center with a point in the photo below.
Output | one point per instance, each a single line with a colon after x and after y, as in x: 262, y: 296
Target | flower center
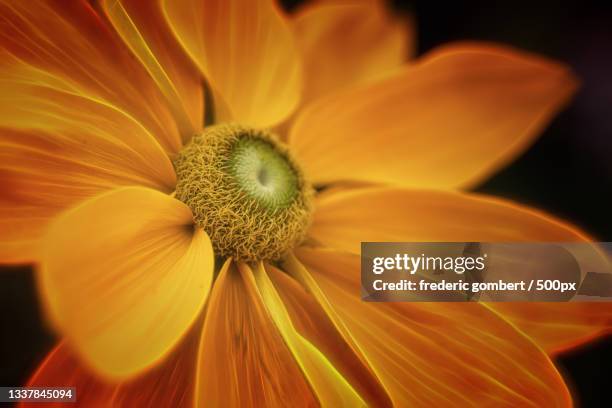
x: 245, y: 191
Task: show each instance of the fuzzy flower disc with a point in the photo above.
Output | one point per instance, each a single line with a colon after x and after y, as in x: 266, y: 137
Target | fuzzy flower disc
x: 245, y: 191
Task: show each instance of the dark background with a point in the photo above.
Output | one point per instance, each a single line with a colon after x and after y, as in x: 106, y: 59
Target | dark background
x: 568, y: 171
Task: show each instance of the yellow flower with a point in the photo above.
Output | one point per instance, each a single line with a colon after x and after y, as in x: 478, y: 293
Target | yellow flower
x: 114, y: 187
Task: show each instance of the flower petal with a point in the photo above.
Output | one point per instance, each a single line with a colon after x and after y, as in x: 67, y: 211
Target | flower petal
x: 317, y: 324
x: 346, y: 218
x: 330, y: 387
x: 170, y: 384
x: 246, y: 51
x: 377, y: 44
x: 71, y: 41
x: 124, y: 275
x: 143, y: 28
x: 438, y: 354
x: 448, y: 121
x: 58, y: 147
x: 558, y: 327
x: 243, y: 361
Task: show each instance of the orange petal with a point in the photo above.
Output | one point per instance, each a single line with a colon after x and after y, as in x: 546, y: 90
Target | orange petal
x: 19, y: 235
x: 143, y: 28
x: 168, y: 385
x: 314, y: 323
x: 71, y: 41
x: 246, y: 51
x: 558, y: 327
x: 377, y: 44
x: 124, y: 275
x: 243, y: 361
x: 451, y: 119
x: 330, y: 387
x: 438, y: 354
x: 58, y: 147
x: 346, y: 218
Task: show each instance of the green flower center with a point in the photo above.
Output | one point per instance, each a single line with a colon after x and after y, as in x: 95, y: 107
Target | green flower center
x: 263, y: 172
x: 245, y: 191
